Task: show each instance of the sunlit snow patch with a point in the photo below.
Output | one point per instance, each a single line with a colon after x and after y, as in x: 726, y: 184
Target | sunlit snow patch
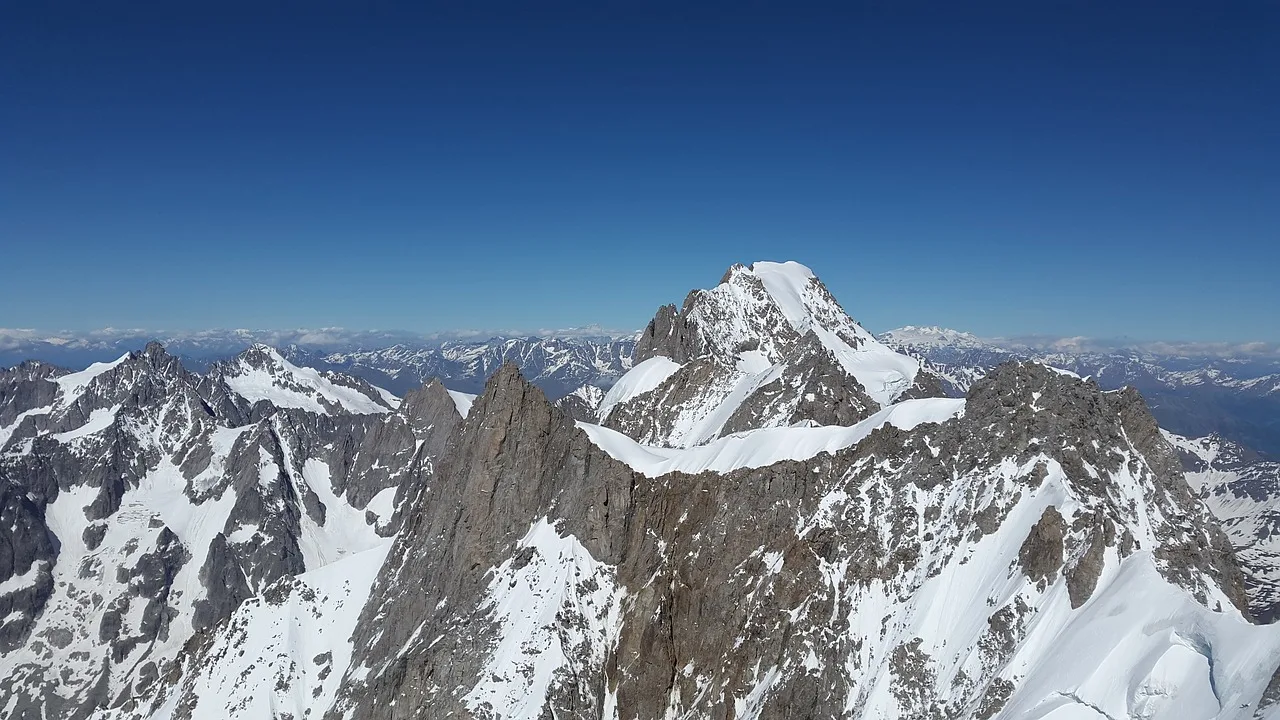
x: 884, y: 373
x: 462, y: 401
x: 639, y: 380
x: 73, y: 385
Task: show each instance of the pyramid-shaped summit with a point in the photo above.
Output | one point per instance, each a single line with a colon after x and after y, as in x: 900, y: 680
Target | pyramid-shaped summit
x: 768, y: 346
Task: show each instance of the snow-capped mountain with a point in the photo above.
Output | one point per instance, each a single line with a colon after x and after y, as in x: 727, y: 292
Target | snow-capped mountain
x: 199, y: 348
x: 1243, y: 491
x: 1194, y: 391
x: 768, y: 346
x: 143, y: 504
x: 771, y: 514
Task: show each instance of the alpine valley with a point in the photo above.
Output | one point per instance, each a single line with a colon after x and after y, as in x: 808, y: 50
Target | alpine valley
x: 752, y: 509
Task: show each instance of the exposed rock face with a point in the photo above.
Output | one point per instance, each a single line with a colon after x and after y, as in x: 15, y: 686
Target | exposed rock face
x: 582, y: 404
x: 28, y: 550
x: 1041, y: 552
x: 669, y: 334
x: 797, y: 589
x: 1192, y: 393
x: 816, y: 389
x: 516, y: 454
x: 398, y: 455
x: 27, y: 386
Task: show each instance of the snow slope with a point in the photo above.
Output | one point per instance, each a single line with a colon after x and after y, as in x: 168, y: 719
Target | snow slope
x: 757, y: 350
x: 71, y: 386
x: 283, y: 653
x: 642, y: 378
x: 1144, y: 649
x: 1243, y: 492
x: 543, y: 623
x: 164, y: 505
x: 462, y: 401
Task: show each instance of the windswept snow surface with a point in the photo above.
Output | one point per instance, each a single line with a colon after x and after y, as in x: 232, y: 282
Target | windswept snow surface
x: 284, y: 384
x: 462, y: 401
x: 766, y: 446
x: 640, y: 379
x: 344, y: 531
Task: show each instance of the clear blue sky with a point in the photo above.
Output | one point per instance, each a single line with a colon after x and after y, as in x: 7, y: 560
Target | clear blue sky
x: 1091, y: 168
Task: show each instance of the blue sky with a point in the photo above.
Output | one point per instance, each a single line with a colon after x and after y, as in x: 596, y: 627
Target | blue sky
x: 1063, y: 168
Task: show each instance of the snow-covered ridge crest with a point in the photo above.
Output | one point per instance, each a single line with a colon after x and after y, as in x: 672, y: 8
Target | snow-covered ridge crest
x: 1029, y: 552
x: 1036, y: 557
x: 766, y: 446
x: 642, y: 378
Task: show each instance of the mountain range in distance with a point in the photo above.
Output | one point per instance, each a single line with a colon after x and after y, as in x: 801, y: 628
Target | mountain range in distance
x: 1194, y: 389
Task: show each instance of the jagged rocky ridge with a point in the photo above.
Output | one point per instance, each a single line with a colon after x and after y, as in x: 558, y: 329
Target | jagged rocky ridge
x: 997, y: 564
x: 557, y: 361
x: 143, y: 504
x: 1190, y: 393
x: 1032, y: 550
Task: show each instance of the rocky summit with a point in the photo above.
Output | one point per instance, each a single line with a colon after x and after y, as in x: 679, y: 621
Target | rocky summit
x: 771, y: 514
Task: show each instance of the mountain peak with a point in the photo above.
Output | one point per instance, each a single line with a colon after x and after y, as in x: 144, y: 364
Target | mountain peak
x: 262, y: 355
x: 262, y: 373
x: 769, y: 345
x: 767, y: 307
